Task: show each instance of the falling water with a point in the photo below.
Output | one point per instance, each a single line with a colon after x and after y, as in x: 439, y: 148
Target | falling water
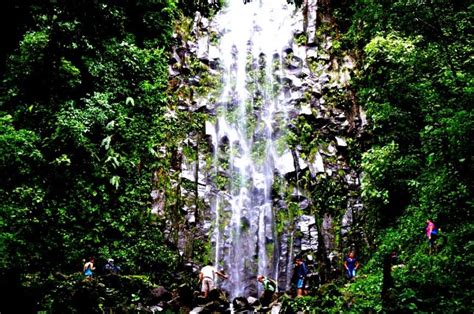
x: 248, y: 138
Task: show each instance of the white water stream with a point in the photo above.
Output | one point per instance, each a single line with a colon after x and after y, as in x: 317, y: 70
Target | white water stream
x: 247, y: 139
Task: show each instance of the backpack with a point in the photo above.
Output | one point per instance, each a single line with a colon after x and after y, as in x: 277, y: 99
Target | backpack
x: 270, y: 284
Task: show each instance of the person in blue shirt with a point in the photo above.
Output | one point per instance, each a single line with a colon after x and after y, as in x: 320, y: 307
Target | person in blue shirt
x: 299, y: 276
x: 351, y: 264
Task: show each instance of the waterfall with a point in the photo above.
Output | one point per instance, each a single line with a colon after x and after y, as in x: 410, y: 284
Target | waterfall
x: 248, y: 139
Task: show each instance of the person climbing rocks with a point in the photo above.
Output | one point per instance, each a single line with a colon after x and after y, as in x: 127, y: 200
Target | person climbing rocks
x: 299, y: 276
x: 110, y: 268
x: 207, y: 277
x: 88, y: 268
x: 269, y: 289
x: 431, y: 233
x: 351, y: 264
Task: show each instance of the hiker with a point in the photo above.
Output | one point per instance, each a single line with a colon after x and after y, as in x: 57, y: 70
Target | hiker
x: 110, y: 268
x: 88, y: 268
x: 393, y: 258
x: 299, y: 276
x: 207, y: 277
x: 269, y: 289
x: 431, y: 233
x: 351, y: 264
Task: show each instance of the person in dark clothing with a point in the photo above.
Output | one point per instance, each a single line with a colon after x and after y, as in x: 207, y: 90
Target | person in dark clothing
x: 393, y: 258
x: 299, y: 276
x: 110, y: 268
x: 351, y: 264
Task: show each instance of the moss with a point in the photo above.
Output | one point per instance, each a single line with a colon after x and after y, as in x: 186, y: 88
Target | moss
x: 301, y: 39
x: 223, y: 163
x: 209, y: 85
x: 183, y: 27
x: 341, y: 173
x: 251, y: 125
x: 315, y: 66
x: 190, y: 152
x: 281, y: 143
x: 269, y: 248
x: 292, y: 139
x: 276, y: 65
x: 233, y: 115
x: 259, y: 151
x: 196, y: 66
x: 222, y: 182
x: 281, y: 219
x: 279, y: 185
x: 336, y: 47
x: 324, y: 30
x: 214, y: 37
x: 338, y: 98
x: 294, y: 210
x: 308, y: 96
x: 337, y: 233
x: 202, y: 250
x: 236, y: 182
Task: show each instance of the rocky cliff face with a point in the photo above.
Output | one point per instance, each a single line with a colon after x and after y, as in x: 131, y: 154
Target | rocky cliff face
x: 315, y: 186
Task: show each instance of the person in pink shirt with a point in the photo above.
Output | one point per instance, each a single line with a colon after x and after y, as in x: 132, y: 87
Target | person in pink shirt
x: 431, y: 232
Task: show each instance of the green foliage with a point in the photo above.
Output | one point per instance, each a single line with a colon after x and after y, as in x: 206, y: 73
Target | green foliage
x: 189, y: 7
x: 285, y: 220
x: 222, y: 182
x: 85, y: 119
x: 106, y: 293
x: 82, y: 119
x: 384, y: 185
x: 303, y: 304
x: 329, y: 196
x: 259, y: 151
x: 328, y: 299
x: 416, y: 87
x: 364, y: 294
x: 301, y: 39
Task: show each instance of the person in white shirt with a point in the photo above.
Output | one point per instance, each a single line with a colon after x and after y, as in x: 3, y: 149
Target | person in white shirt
x: 207, y: 277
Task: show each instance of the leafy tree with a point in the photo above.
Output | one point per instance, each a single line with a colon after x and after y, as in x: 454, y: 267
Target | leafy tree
x: 82, y: 120
x: 416, y: 86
